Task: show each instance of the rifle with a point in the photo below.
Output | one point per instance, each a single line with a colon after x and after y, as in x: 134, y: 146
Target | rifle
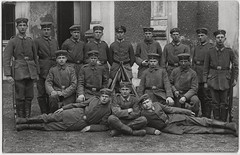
x: 115, y: 79
x: 230, y: 98
x: 13, y: 91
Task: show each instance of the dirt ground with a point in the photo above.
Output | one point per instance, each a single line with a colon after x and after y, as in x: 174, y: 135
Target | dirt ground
x: 31, y: 141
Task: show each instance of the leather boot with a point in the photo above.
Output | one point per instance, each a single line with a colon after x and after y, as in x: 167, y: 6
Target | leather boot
x: 32, y: 120
x: 28, y: 105
x: 21, y: 127
x: 126, y: 129
x: 138, y: 123
x: 139, y: 132
x: 44, y: 106
x: 20, y: 108
x: 223, y: 114
x: 226, y: 125
x: 208, y: 110
x: 216, y: 112
x: 114, y: 133
x: 224, y: 131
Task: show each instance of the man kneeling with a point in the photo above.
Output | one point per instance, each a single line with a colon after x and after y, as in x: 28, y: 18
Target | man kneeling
x: 126, y: 117
x: 90, y: 115
x: 179, y: 121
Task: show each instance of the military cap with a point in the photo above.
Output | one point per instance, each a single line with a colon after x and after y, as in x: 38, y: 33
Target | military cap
x: 120, y: 29
x: 148, y: 29
x: 153, y: 56
x: 202, y: 30
x: 46, y: 25
x: 184, y: 56
x: 106, y: 91
x: 219, y: 32
x: 143, y: 98
x: 125, y: 84
x: 21, y: 20
x: 74, y: 27
x: 174, y: 30
x: 98, y: 27
x: 61, y: 53
x: 93, y: 53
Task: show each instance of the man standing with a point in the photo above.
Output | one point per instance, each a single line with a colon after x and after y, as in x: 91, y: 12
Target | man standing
x: 179, y: 121
x: 155, y: 82
x: 199, y: 53
x: 121, y: 51
x: 75, y: 48
x: 90, y: 115
x: 98, y: 45
x: 146, y: 47
x: 25, y: 67
x: 185, y: 85
x: 217, y: 75
x: 171, y: 50
x: 92, y: 77
x: 46, y: 47
x: 126, y: 113
x: 61, y: 82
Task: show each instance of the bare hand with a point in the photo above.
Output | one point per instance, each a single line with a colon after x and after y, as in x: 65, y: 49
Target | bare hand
x: 9, y: 79
x: 58, y: 111
x: 80, y: 98
x: 176, y: 93
x: 157, y: 132
x: 130, y: 110
x: 189, y: 112
x: 182, y: 100
x: 84, y: 117
x: 170, y: 101
x: 145, y: 63
x: 87, y: 128
x: 59, y: 93
x: 53, y: 93
x: 205, y: 85
x: 234, y: 83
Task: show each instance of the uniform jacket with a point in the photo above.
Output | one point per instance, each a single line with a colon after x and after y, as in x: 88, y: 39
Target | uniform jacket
x: 219, y: 79
x: 199, y: 53
x: 75, y: 50
x: 102, y: 47
x: 142, y: 51
x: 46, y: 48
x: 171, y: 51
x: 120, y: 107
x: 155, y: 77
x: 25, y: 63
x: 61, y: 79
x: 91, y: 77
x: 122, y: 52
x: 184, y: 81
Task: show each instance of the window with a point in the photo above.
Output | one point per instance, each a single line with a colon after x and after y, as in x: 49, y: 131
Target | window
x: 8, y: 23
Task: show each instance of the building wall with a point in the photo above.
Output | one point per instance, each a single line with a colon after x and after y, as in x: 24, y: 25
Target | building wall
x: 134, y: 15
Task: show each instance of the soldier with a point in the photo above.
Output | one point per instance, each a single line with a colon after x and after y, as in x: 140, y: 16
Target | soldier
x: 25, y: 67
x: 98, y: 45
x: 61, y: 82
x: 90, y: 115
x: 75, y: 48
x: 179, y: 121
x: 121, y: 51
x: 171, y: 50
x: 146, y: 47
x: 126, y: 114
x: 185, y: 85
x: 216, y: 74
x: 91, y: 78
x: 199, y: 53
x: 155, y: 82
x: 46, y: 47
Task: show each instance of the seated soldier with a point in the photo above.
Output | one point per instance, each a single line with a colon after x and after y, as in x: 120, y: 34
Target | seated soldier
x: 179, y: 121
x: 155, y: 82
x: 90, y: 115
x: 92, y: 77
x: 126, y: 117
x: 185, y: 85
x: 61, y: 82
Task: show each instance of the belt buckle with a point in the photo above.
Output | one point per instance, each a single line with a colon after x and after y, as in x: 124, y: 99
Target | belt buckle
x: 219, y: 68
x: 78, y: 62
x: 26, y: 58
x: 175, y: 64
x: 198, y: 62
x: 154, y: 87
x: 94, y: 89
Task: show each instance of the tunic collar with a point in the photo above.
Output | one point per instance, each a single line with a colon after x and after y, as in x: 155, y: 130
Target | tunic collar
x: 176, y: 44
x: 97, y: 42
x: 120, y: 40
x: 148, y: 41
x: 22, y: 37
x: 127, y: 99
x: 61, y: 67
x: 75, y: 41
x: 47, y: 38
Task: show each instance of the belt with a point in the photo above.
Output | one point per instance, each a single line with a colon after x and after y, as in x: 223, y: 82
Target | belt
x: 151, y: 88
x: 75, y: 62
x: 92, y: 88
x: 27, y: 59
x: 219, y: 68
x: 124, y: 62
x: 52, y: 58
x: 200, y: 63
x: 174, y: 64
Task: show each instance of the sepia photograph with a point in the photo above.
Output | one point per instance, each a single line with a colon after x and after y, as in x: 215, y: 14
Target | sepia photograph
x: 120, y: 76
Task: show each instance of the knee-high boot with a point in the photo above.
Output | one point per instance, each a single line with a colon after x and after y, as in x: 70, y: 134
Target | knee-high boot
x: 224, y: 131
x: 21, y: 127
x: 44, y: 105
x: 226, y: 125
x: 28, y: 105
x: 20, y: 108
x: 216, y: 112
x: 31, y: 120
x: 223, y: 113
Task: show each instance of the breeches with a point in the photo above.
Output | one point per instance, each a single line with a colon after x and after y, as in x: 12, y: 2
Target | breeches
x: 219, y: 97
x: 24, y: 89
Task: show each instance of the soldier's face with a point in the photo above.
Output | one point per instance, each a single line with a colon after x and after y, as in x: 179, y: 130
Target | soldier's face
x: 153, y: 62
x: 104, y: 98
x: 120, y: 35
x: 220, y: 39
x: 202, y: 37
x: 125, y: 92
x: 22, y: 28
x: 61, y: 60
x: 147, y: 104
x: 75, y: 34
x: 148, y: 35
x: 175, y: 36
x: 93, y: 60
x: 46, y: 32
x: 184, y: 63
x: 98, y: 34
